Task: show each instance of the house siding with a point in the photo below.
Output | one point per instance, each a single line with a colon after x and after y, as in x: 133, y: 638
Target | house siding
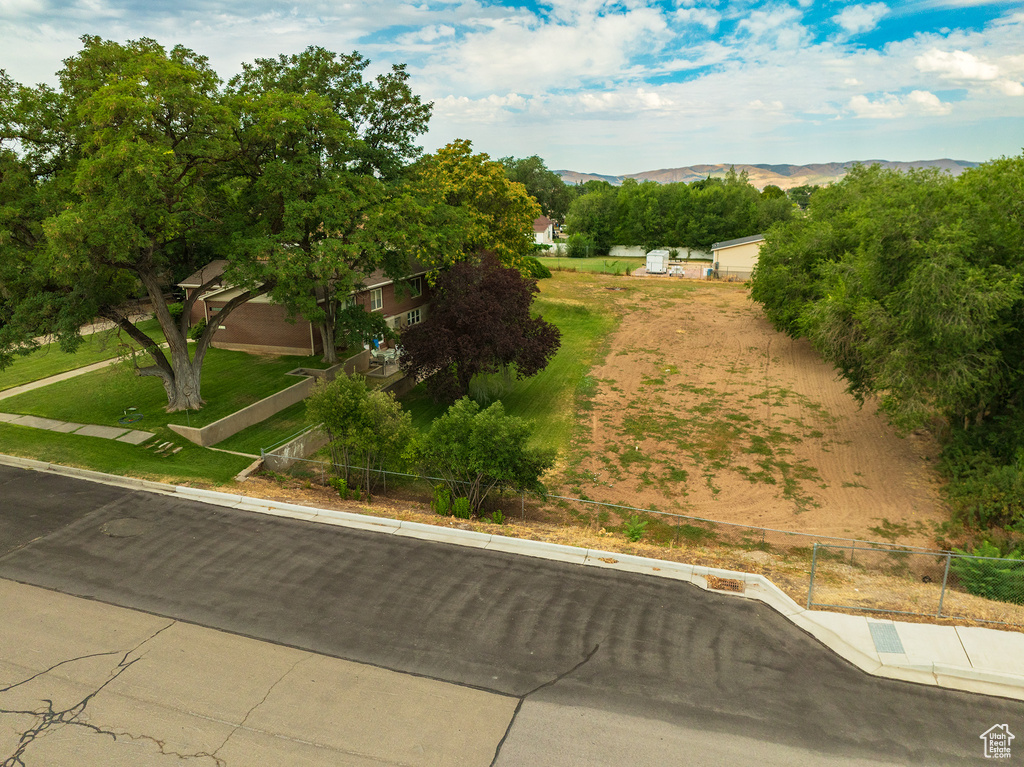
x: 259, y: 326
x: 396, y: 306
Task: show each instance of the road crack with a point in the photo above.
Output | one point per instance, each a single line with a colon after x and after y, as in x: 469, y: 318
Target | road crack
x: 263, y: 700
x: 48, y: 717
x: 538, y: 688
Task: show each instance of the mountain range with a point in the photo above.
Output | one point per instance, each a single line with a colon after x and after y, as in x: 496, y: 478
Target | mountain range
x: 783, y: 176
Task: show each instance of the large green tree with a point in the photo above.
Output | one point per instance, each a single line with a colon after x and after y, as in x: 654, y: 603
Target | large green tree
x: 140, y: 168
x: 320, y: 150
x: 460, y: 203
x: 911, y: 284
x: 120, y: 189
x: 544, y: 185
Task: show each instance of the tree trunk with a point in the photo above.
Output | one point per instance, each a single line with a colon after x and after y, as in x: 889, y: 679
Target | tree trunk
x: 330, y: 343
x: 181, y: 375
x: 328, y: 330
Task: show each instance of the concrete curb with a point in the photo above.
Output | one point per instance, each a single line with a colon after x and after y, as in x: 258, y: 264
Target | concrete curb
x: 755, y: 586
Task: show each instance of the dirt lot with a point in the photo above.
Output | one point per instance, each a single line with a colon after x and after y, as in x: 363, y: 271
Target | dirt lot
x: 703, y: 409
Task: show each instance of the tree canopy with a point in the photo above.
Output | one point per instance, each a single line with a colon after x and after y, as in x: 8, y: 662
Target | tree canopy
x: 652, y: 215
x: 912, y: 285
x: 480, y: 323
x: 319, y: 151
x: 463, y: 203
x: 545, y: 186
x: 140, y: 168
x: 366, y: 430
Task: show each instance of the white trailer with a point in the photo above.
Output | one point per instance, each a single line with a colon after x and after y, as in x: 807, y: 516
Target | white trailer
x: 657, y: 262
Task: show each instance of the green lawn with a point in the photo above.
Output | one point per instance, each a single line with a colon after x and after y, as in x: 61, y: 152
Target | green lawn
x: 275, y: 429
x: 601, y: 264
x: 231, y: 381
x: 49, y: 360
x: 547, y: 398
x: 192, y: 464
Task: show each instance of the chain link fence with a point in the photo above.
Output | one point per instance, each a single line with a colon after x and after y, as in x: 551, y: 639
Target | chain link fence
x: 940, y: 584
x: 845, y: 573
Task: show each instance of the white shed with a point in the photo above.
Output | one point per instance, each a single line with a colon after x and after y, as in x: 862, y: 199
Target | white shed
x: 737, y: 258
x: 657, y: 262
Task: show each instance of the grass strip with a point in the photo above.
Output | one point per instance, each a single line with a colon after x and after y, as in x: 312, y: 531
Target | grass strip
x: 230, y: 381
x: 191, y: 464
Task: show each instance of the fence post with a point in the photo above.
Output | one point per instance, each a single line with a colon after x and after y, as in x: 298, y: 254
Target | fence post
x: 814, y: 564
x: 945, y: 576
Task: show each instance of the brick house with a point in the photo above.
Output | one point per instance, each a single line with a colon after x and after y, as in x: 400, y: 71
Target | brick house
x: 261, y: 326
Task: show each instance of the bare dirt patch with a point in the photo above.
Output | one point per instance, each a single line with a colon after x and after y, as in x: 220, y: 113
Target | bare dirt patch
x: 702, y: 408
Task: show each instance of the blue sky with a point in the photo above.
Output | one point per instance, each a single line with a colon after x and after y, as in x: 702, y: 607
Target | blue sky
x: 623, y: 87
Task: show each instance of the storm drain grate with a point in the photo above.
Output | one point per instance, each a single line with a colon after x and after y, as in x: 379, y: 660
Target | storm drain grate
x: 885, y: 637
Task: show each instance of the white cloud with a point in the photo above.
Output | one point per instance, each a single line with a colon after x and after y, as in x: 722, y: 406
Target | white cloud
x: 428, y: 34
x: 890, y: 106
x: 11, y: 8
x: 773, y: 30
x: 540, y: 54
x: 699, y: 16
x: 956, y: 65
x: 622, y: 101
x: 857, y: 19
x: 966, y: 68
x: 491, y: 109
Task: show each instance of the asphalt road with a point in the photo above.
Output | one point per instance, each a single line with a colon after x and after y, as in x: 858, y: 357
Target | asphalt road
x: 600, y: 659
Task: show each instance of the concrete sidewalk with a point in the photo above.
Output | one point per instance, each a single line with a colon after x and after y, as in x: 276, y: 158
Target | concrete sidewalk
x: 119, y: 433
x: 980, y: 660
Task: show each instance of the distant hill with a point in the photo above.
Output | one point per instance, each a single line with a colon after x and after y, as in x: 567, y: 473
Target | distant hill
x: 783, y: 176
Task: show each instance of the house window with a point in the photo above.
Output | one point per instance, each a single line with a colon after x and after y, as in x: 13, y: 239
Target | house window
x: 415, y: 287
x: 376, y: 299
x: 411, y: 318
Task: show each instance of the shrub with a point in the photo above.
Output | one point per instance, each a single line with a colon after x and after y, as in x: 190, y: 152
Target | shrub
x: 498, y: 518
x: 533, y: 268
x: 476, y: 452
x: 1000, y: 579
x: 461, y: 508
x: 197, y: 330
x: 634, y: 528
x: 579, y: 246
x: 441, y: 503
x: 346, y: 492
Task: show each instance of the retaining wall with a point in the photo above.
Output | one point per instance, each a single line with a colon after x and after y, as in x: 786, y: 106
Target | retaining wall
x: 285, y: 456
x: 220, y: 430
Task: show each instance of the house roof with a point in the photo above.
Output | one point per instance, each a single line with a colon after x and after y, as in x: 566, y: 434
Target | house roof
x: 738, y: 241
x: 541, y: 224
x: 213, y: 269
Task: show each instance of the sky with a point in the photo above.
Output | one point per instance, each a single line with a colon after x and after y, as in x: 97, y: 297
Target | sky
x: 621, y: 87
